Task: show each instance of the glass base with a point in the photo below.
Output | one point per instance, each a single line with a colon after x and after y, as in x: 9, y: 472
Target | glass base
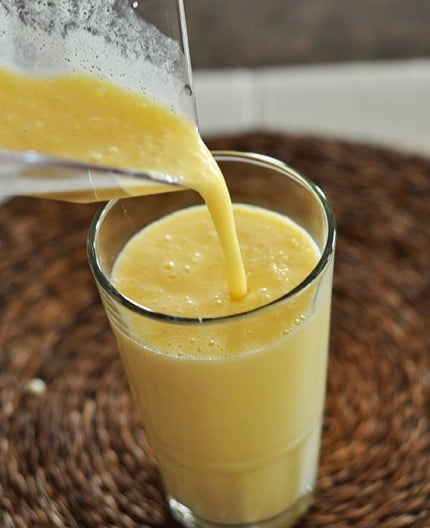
x: 285, y: 519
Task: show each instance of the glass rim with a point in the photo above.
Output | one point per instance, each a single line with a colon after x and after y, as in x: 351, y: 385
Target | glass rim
x: 221, y: 155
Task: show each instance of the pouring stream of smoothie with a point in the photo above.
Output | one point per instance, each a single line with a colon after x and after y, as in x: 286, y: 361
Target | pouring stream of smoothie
x: 79, y: 117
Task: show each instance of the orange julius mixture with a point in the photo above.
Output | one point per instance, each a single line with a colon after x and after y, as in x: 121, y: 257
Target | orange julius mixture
x: 233, y: 410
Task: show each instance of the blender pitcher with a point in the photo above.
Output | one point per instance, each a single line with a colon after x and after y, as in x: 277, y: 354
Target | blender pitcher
x: 140, y: 46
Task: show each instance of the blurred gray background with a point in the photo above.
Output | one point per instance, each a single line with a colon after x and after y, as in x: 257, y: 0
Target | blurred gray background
x: 250, y: 33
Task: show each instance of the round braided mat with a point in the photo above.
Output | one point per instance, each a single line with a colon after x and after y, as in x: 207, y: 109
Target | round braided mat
x: 72, y: 450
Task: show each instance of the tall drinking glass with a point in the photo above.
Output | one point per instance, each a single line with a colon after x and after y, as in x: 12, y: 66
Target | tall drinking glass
x: 236, y: 435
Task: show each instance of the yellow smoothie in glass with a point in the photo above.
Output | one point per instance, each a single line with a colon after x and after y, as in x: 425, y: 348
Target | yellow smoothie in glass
x: 233, y: 411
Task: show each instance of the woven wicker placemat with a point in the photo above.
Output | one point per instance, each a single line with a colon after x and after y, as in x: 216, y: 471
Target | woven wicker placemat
x: 72, y: 450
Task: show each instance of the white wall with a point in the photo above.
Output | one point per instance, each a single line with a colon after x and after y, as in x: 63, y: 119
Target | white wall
x: 386, y: 103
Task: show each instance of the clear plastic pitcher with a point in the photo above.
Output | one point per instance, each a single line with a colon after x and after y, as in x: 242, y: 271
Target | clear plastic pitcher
x: 140, y: 46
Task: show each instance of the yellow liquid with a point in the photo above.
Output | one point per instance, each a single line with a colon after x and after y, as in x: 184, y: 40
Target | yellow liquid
x: 232, y: 409
x: 83, y: 118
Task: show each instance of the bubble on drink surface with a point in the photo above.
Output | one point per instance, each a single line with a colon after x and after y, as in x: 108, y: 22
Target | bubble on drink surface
x: 106, y: 38
x: 265, y: 294
x: 219, y: 299
x: 169, y: 265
